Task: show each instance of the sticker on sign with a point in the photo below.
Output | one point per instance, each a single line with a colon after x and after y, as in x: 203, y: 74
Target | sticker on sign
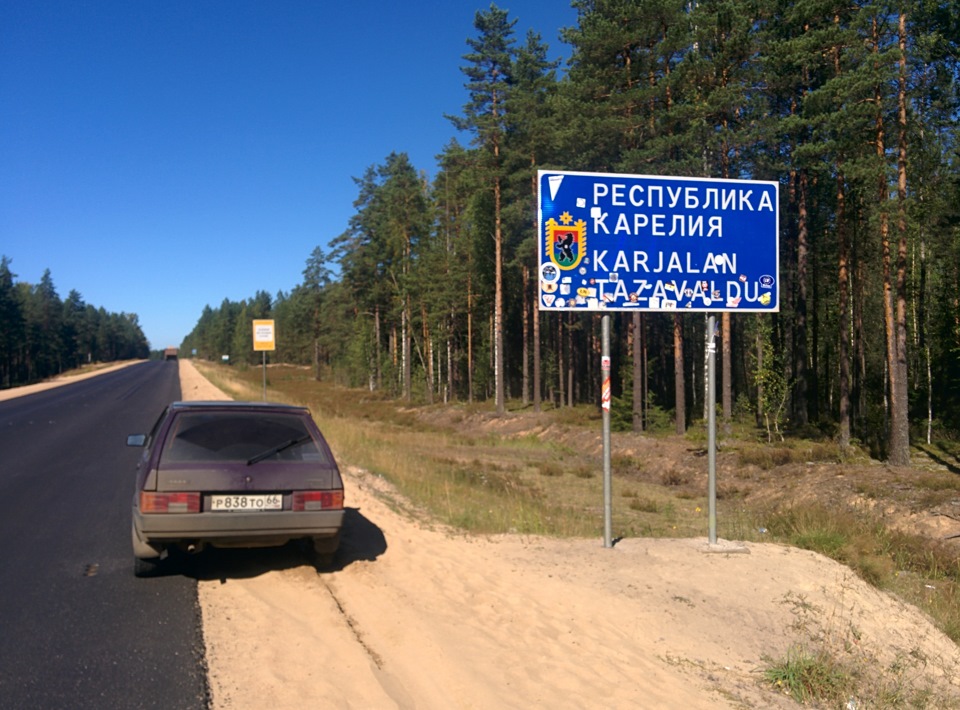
x: 628, y: 242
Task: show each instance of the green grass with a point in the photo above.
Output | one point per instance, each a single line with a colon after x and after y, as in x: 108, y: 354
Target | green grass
x: 810, y: 677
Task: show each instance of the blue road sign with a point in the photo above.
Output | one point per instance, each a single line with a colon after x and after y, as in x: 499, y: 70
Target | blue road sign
x: 627, y: 242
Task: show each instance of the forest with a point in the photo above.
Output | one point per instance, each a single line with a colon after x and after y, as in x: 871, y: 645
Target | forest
x: 430, y: 294
x: 42, y: 335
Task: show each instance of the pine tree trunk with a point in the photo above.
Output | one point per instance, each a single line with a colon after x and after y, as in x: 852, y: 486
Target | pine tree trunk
x: 843, y: 291
x: 498, y: 296
x: 758, y: 344
x: 560, y: 359
x: 535, y: 315
x: 428, y: 348
x: 899, y: 435
x: 570, y: 361
x: 450, y: 394
x: 536, y: 357
x: 377, y: 369
x: 922, y: 343
x: 707, y: 337
x: 316, y: 345
x: 492, y: 363
x: 678, y: 375
x: 644, y: 380
x: 407, y: 365
x: 525, y: 310
x: 469, y: 340
x: 637, y: 341
x: 900, y: 444
x: 800, y: 339
x: 726, y: 322
x: 858, y: 394
x: 394, y: 348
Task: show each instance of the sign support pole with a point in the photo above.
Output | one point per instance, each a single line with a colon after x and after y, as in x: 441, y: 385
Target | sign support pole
x: 605, y: 405
x: 712, y: 429
x: 264, y: 339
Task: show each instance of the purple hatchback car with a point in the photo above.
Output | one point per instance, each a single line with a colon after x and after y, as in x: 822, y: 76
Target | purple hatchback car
x: 234, y: 474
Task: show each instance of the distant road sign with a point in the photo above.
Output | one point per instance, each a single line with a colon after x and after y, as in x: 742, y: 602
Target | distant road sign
x: 628, y: 242
x: 263, y: 336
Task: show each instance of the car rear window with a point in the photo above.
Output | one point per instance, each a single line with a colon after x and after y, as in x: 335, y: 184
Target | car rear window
x: 239, y: 437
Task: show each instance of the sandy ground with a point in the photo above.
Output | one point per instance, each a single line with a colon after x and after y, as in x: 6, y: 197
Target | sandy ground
x: 416, y: 616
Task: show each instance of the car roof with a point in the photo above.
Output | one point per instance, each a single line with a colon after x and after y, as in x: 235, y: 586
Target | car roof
x: 234, y: 405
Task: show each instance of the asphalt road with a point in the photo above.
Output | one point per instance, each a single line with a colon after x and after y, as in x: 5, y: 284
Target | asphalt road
x: 77, y: 629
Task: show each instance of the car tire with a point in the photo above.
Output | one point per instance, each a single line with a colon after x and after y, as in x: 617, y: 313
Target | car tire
x: 146, y: 567
x: 145, y: 564
x: 322, y: 551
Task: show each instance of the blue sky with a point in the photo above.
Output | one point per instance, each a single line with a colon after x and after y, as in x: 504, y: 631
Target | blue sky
x: 162, y: 155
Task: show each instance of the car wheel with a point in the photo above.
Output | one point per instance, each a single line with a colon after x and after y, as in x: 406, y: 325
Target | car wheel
x: 321, y: 551
x: 146, y: 567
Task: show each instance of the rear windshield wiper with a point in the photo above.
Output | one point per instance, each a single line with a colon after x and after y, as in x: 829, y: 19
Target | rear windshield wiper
x: 277, y: 449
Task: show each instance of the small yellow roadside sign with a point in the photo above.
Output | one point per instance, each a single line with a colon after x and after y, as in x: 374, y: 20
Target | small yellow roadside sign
x: 263, y: 336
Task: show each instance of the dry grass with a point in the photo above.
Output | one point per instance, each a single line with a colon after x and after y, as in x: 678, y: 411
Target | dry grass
x: 827, y: 666
x: 542, y: 474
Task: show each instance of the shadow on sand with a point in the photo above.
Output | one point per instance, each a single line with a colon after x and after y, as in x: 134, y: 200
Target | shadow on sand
x: 361, y: 540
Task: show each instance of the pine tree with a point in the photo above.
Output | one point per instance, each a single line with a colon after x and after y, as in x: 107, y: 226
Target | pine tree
x: 532, y: 141
x: 489, y: 77
x: 11, y: 326
x: 451, y: 260
x: 316, y: 278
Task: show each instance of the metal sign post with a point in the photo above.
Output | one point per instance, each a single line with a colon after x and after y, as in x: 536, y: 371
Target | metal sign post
x: 264, y: 340
x: 605, y: 397
x: 711, y: 431
x: 611, y: 242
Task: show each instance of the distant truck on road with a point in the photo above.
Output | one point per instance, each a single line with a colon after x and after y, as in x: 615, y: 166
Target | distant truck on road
x: 170, y: 354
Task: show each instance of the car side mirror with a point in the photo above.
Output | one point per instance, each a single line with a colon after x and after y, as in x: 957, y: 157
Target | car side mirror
x: 136, y: 440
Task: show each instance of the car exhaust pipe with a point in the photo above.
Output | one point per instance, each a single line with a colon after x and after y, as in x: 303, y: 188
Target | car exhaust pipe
x: 191, y: 549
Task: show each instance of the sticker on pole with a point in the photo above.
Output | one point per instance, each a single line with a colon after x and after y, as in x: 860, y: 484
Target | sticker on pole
x: 638, y: 242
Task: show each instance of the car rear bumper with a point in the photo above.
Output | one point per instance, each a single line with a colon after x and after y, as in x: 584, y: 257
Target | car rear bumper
x: 260, y: 528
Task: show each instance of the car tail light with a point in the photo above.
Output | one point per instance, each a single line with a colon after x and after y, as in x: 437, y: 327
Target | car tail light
x: 317, y: 500
x: 169, y: 502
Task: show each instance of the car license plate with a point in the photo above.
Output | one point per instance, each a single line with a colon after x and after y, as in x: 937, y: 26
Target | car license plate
x: 246, y: 503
